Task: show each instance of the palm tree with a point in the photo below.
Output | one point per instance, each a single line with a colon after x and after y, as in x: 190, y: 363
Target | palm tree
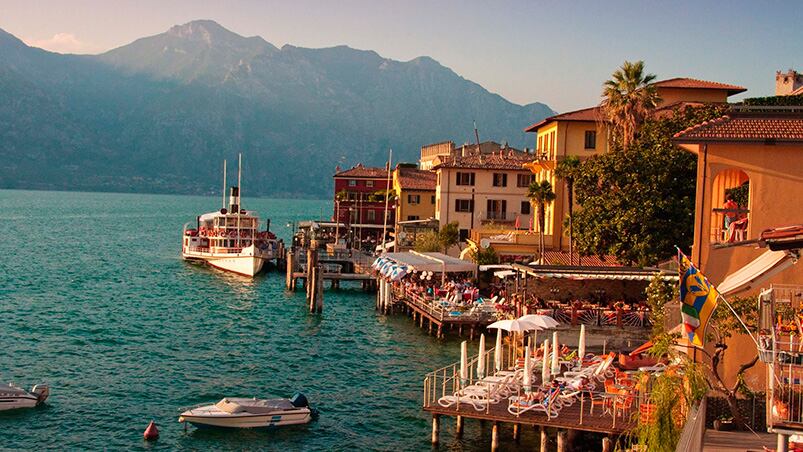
x: 629, y: 97
x: 567, y: 170
x: 541, y: 194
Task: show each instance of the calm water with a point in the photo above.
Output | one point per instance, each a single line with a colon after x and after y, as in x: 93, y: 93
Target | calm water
x: 96, y: 301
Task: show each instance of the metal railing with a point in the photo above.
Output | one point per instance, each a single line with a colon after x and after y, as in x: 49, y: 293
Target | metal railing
x: 441, y: 310
x: 600, y: 316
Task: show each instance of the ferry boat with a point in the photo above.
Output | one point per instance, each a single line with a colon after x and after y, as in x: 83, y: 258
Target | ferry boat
x: 230, y: 239
x: 236, y: 412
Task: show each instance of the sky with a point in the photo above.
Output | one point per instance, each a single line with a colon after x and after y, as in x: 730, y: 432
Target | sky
x: 556, y: 52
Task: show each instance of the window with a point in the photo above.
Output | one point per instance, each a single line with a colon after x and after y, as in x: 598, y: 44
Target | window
x: 591, y: 139
x: 500, y: 180
x: 463, y: 235
x: 524, y: 180
x: 465, y: 179
x: 730, y: 201
x: 369, y: 183
x: 352, y: 183
x: 525, y: 207
x: 463, y: 205
x: 412, y: 217
x: 414, y: 199
x: 371, y: 215
x: 433, y: 199
x: 497, y: 209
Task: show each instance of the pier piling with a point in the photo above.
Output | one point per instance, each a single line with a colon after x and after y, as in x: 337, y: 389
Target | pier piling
x: 606, y: 445
x: 544, y: 439
x: 562, y: 442
x: 495, y: 437
x: 516, y: 432
x: 458, y: 429
x: 436, y: 427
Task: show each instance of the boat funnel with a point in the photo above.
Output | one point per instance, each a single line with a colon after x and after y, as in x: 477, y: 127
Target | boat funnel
x: 234, y: 200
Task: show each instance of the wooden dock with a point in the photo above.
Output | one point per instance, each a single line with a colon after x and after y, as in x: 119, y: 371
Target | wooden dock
x: 437, y: 318
x: 355, y: 266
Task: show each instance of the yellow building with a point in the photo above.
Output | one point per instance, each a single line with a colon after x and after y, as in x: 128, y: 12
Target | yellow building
x: 760, y: 153
x: 583, y: 133
x: 415, y: 192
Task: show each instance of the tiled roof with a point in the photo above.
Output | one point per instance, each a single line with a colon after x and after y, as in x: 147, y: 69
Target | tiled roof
x: 511, y: 160
x: 416, y: 179
x: 693, y: 83
x: 586, y: 114
x: 363, y: 171
x: 750, y: 127
x: 562, y: 258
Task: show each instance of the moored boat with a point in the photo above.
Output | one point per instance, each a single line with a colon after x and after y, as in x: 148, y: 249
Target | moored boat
x: 230, y: 239
x: 236, y: 412
x: 12, y: 397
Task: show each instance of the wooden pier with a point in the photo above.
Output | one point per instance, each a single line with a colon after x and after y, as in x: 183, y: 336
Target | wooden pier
x: 355, y: 266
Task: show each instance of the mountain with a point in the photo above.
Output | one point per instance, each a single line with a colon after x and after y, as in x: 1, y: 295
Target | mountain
x: 160, y: 113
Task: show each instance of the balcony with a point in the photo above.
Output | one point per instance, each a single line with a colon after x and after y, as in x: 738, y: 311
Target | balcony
x: 736, y: 230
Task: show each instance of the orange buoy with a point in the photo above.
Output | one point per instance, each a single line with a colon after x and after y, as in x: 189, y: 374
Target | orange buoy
x: 151, y: 432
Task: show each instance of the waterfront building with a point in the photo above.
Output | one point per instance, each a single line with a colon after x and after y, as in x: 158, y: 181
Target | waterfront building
x: 754, y: 156
x: 476, y: 189
x: 359, y: 202
x: 415, y: 193
x: 583, y: 133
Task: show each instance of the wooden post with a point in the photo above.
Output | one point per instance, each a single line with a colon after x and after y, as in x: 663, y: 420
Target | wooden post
x: 440, y: 331
x: 562, y: 441
x: 436, y: 427
x: 495, y: 437
x: 783, y: 443
x: 312, y: 288
x: 606, y: 444
x: 319, y: 291
x: 544, y: 439
x: 458, y: 429
x: 516, y: 432
x: 289, y: 282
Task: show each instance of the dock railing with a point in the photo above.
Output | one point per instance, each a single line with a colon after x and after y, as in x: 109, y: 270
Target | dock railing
x: 438, y: 310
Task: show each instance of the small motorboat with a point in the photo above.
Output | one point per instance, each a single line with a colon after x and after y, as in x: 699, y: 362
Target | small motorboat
x: 235, y: 412
x: 12, y: 397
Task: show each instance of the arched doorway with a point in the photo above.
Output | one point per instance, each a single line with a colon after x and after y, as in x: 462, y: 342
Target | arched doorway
x: 730, y: 201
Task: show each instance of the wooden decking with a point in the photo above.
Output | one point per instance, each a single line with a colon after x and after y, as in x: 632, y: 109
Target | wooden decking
x: 575, y: 417
x: 438, y: 317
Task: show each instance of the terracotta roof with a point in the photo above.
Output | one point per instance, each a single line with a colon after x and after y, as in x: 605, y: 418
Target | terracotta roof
x: 562, y: 258
x: 693, y: 83
x: 511, y: 160
x: 416, y: 179
x: 369, y: 172
x: 586, y: 114
x: 748, y: 126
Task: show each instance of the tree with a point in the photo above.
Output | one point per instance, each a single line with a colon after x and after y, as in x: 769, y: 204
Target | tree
x: 449, y: 235
x: 541, y: 194
x: 628, y: 99
x: 427, y: 242
x: 486, y: 256
x: 639, y: 203
x: 566, y: 170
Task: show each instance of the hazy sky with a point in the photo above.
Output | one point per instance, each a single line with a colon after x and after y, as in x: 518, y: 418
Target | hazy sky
x: 554, y: 52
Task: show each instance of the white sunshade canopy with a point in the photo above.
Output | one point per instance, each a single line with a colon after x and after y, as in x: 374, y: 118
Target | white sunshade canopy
x: 763, y: 267
x: 517, y: 325
x: 433, y: 262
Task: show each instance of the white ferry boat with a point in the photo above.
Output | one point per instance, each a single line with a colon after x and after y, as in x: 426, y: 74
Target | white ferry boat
x: 230, y: 239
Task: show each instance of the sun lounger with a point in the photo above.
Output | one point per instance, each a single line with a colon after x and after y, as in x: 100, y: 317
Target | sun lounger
x: 519, y: 405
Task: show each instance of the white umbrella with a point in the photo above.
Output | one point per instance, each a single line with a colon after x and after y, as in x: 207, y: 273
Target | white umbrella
x: 463, y: 363
x: 544, y: 321
x: 498, y: 350
x: 545, y: 363
x: 481, y: 359
x: 555, y: 354
x: 528, y: 372
x: 581, y: 343
x: 514, y: 325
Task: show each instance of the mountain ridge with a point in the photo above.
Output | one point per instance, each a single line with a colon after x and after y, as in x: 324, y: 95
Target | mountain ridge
x: 158, y: 114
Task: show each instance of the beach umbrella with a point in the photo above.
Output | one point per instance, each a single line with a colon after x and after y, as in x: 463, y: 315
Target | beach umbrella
x: 544, y: 321
x: 545, y: 363
x: 481, y: 358
x: 516, y: 325
x: 528, y: 371
x: 581, y: 343
x: 555, y: 354
x: 498, y: 351
x: 463, y: 363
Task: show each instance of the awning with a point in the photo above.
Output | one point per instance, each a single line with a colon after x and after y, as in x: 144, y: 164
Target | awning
x: 434, y: 262
x: 502, y: 274
x: 765, y: 266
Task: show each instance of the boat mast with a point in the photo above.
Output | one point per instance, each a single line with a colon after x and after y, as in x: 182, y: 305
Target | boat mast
x: 224, y: 183
x: 387, y: 197
x: 239, y: 194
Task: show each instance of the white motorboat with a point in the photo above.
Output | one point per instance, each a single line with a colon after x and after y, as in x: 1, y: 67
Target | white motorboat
x: 12, y: 397
x: 235, y: 412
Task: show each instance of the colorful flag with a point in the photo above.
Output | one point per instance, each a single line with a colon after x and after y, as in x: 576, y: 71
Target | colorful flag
x: 698, y: 299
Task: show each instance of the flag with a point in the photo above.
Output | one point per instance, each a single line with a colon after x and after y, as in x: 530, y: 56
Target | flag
x: 698, y: 300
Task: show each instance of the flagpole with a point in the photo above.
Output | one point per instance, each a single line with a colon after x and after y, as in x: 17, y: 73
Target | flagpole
x: 719, y: 295
x: 387, y: 197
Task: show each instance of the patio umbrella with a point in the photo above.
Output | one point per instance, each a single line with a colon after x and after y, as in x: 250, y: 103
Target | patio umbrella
x: 463, y: 363
x: 481, y: 358
x: 514, y: 326
x: 544, y: 321
x: 528, y: 372
x: 555, y: 354
x: 545, y: 363
x: 498, y: 350
x: 581, y: 343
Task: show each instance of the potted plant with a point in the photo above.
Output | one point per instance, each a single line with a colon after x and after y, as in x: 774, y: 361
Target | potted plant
x: 724, y: 423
